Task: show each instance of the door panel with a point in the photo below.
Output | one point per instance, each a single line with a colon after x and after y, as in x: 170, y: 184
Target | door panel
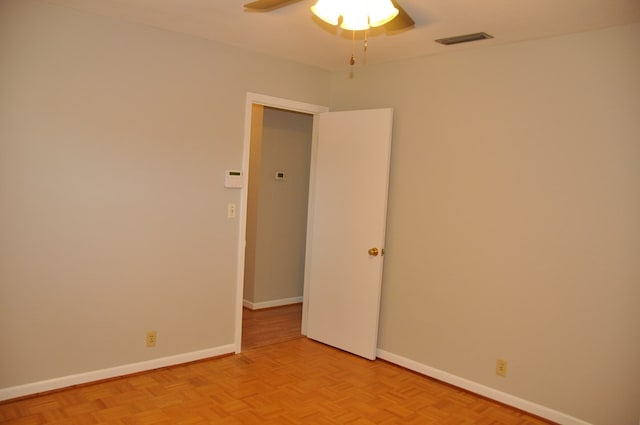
x: 348, y: 203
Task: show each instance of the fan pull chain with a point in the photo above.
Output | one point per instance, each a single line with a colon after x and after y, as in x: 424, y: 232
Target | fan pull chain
x: 352, y: 61
x: 366, y: 40
x: 366, y: 46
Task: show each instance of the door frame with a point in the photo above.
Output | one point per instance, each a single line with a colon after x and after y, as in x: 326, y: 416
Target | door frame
x: 280, y: 103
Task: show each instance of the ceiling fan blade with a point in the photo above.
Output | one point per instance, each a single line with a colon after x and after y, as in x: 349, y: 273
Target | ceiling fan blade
x: 401, y: 22
x: 264, y: 5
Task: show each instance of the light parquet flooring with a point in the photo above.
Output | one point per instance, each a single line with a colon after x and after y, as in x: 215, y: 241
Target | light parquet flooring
x: 294, y: 382
x: 270, y: 325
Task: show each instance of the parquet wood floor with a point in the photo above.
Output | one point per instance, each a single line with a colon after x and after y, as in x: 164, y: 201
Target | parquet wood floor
x: 270, y: 325
x: 294, y: 382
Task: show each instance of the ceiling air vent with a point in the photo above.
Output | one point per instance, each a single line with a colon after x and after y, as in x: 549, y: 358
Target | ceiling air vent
x: 464, y: 38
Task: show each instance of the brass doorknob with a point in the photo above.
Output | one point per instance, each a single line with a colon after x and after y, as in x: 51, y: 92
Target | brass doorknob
x: 373, y: 252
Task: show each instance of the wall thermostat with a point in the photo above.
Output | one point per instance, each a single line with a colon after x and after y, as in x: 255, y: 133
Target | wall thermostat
x: 280, y: 175
x: 233, y: 179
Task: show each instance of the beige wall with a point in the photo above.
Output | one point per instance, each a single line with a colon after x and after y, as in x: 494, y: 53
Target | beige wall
x: 514, y: 217
x: 114, y: 139
x: 277, y: 265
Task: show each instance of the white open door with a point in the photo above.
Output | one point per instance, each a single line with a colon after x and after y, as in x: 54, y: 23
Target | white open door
x: 346, y: 231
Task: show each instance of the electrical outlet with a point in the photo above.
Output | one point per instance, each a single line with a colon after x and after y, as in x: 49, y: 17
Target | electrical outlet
x: 152, y: 337
x: 501, y: 367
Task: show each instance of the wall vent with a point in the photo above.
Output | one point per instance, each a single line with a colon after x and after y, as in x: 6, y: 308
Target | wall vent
x: 464, y: 38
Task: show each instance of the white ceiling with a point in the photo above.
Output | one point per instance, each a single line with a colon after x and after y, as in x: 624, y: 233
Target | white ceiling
x: 292, y: 33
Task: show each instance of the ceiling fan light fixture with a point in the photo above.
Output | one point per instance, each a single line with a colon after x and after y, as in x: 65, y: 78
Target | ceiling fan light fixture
x: 355, y: 16
x: 381, y: 12
x: 358, y: 15
x: 327, y: 10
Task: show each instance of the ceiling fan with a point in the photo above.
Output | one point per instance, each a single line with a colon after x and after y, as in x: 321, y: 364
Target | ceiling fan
x: 400, y: 23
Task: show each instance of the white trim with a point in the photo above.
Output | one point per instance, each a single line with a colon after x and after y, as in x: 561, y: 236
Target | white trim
x: 281, y: 103
x: 272, y: 303
x: 276, y: 102
x: 508, y: 399
x: 113, y: 372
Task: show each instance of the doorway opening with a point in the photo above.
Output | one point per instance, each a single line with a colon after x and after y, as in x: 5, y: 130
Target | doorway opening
x: 277, y: 160
x: 278, y: 196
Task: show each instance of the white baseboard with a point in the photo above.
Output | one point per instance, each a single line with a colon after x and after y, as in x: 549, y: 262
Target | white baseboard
x: 273, y: 303
x: 482, y: 390
x: 97, y: 375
